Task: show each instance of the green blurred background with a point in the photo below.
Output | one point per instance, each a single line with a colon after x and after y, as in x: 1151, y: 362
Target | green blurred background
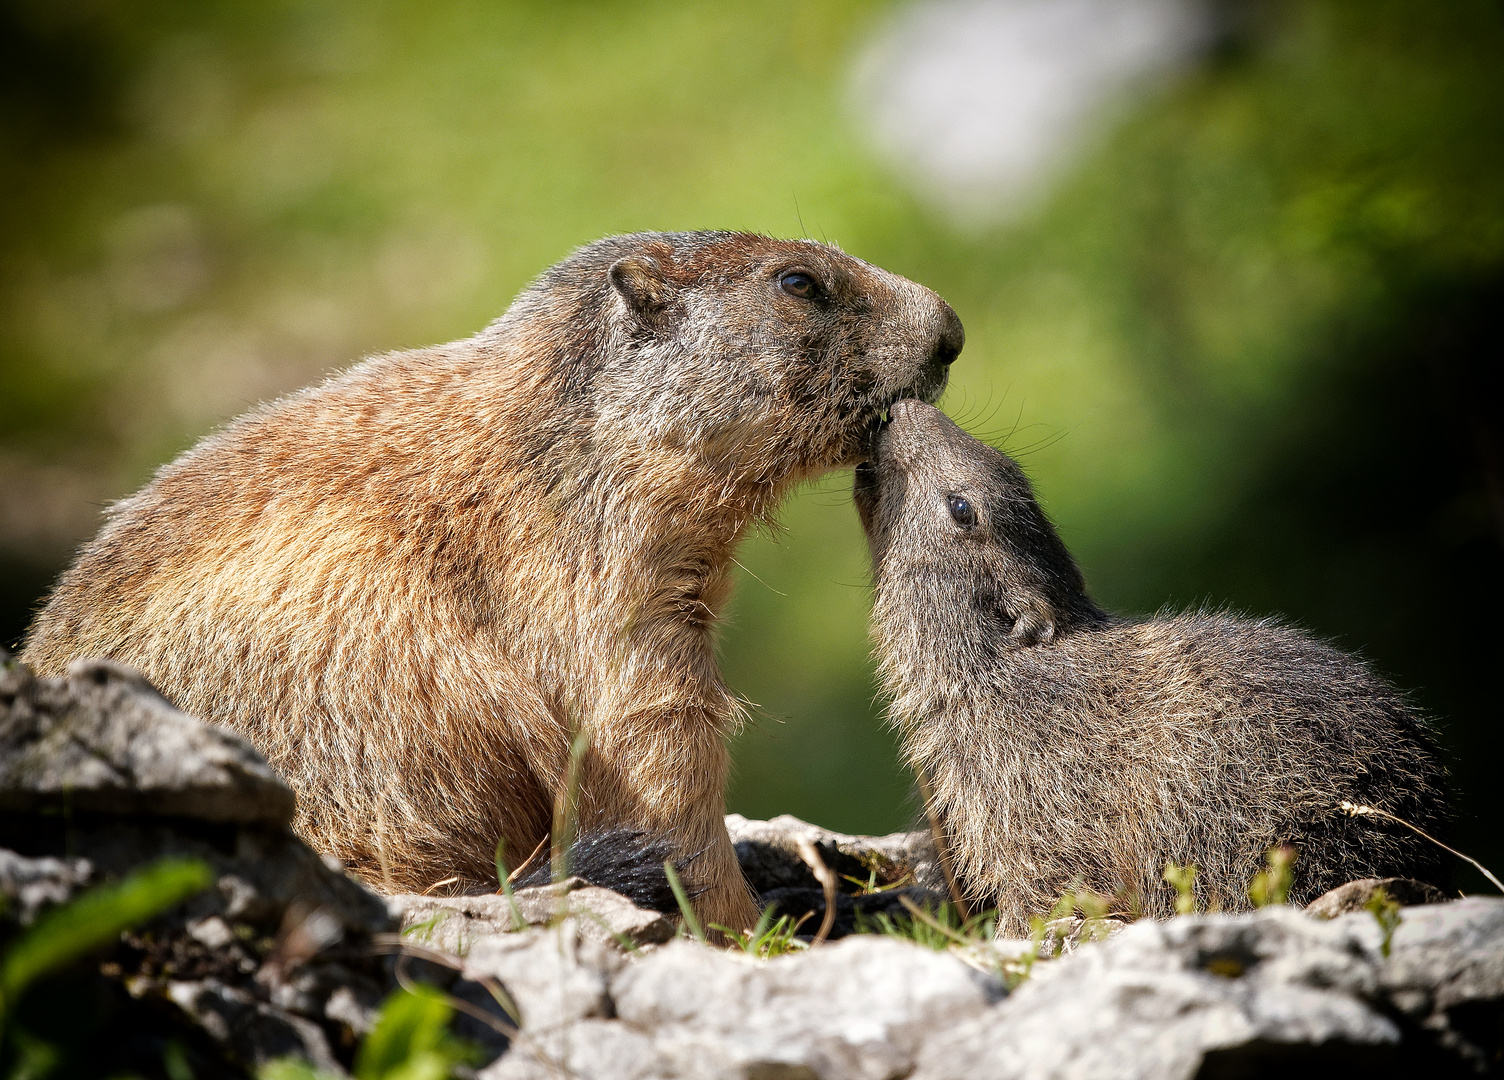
x: 1247, y: 340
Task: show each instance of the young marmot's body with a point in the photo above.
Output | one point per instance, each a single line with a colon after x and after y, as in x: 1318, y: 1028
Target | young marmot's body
x: 408, y: 585
x: 1067, y: 748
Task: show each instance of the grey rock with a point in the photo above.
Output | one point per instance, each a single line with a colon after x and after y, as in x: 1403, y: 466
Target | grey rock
x: 857, y: 1008
x: 769, y: 855
x: 281, y: 955
x: 254, y: 1031
x: 598, y: 1049
x: 103, y: 741
x: 1161, y: 999
x: 1217, y: 995
x: 1355, y: 895
x: 27, y: 886
x: 555, y: 975
x: 1446, y: 970
x: 455, y: 923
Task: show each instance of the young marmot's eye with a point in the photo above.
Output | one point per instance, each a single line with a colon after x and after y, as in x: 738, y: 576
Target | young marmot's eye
x: 797, y: 283
x: 961, y: 510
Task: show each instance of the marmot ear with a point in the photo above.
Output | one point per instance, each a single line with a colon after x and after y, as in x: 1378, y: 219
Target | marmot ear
x: 1033, y: 621
x: 1033, y: 628
x: 641, y: 282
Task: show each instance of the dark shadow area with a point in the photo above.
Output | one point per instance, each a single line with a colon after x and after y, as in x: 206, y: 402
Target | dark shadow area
x: 24, y: 582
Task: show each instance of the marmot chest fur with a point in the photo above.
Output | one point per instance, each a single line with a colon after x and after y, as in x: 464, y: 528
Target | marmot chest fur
x: 410, y: 585
x: 1068, y: 748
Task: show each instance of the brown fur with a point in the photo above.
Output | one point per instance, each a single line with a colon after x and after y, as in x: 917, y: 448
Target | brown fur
x: 409, y: 584
x: 1068, y: 748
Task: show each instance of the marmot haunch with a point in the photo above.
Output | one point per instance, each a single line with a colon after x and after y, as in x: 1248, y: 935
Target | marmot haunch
x: 1068, y: 748
x: 409, y: 584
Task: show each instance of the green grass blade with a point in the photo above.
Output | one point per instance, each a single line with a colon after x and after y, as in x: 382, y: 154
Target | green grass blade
x: 683, y: 898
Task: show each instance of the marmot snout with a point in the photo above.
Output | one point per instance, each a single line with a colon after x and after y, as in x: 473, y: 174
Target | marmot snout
x: 1069, y: 748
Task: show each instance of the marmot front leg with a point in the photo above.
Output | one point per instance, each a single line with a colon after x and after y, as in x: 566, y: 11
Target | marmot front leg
x: 672, y: 783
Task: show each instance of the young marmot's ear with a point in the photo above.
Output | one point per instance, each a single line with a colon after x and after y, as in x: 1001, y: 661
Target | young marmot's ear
x: 1028, y: 617
x: 642, y: 284
x: 1033, y: 626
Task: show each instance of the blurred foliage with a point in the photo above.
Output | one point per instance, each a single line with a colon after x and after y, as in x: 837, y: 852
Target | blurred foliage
x: 410, y: 1041
x: 69, y: 1026
x: 1247, y: 349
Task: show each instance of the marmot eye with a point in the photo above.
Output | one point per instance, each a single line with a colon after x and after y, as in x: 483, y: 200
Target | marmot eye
x: 800, y: 284
x: 961, y: 510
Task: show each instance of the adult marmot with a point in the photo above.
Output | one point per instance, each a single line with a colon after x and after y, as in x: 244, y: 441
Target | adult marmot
x: 1069, y: 748
x: 409, y: 584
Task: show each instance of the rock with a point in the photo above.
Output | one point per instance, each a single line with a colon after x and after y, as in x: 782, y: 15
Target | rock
x: 769, y: 854
x: 599, y: 1049
x: 456, y: 923
x: 105, y: 742
x: 254, y: 1032
x: 1220, y: 995
x: 30, y: 885
x: 1355, y: 895
x: 860, y: 1007
x: 1446, y: 970
x: 282, y: 954
x: 554, y: 975
x: 854, y: 912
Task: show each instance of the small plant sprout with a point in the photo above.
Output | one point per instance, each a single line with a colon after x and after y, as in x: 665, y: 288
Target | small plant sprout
x: 1271, y: 885
x: 518, y: 922
x: 1183, y: 880
x: 940, y: 930
x: 1386, y: 912
x: 566, y: 806
x: 770, y: 937
x: 423, y: 931
x: 691, y: 923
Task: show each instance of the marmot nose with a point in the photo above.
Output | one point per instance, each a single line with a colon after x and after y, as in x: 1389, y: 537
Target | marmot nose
x: 952, y: 335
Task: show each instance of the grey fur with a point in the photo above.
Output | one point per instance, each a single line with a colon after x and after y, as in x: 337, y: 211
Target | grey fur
x: 1069, y: 748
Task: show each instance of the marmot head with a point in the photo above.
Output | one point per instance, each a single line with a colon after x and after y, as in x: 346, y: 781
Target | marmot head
x: 772, y: 358
x: 961, y: 550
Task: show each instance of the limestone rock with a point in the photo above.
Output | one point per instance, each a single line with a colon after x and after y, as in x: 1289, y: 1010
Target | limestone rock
x: 769, y: 854
x: 1446, y: 970
x: 1221, y: 995
x: 456, y: 923
x: 29, y: 885
x: 1355, y: 895
x: 859, y: 1008
x: 554, y: 975
x: 282, y: 954
x: 255, y: 1032
x: 103, y: 741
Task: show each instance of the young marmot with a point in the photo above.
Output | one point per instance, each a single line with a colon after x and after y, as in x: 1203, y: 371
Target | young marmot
x: 409, y: 585
x: 1068, y: 748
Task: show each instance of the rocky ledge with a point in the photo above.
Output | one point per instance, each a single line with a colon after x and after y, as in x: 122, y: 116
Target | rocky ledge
x: 283, y: 955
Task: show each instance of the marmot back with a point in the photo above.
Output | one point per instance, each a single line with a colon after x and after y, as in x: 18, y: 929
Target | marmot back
x: 411, y: 585
x: 1068, y: 748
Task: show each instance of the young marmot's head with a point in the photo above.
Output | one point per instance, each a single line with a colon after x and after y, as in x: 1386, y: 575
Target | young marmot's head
x: 774, y: 357
x: 961, y: 550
